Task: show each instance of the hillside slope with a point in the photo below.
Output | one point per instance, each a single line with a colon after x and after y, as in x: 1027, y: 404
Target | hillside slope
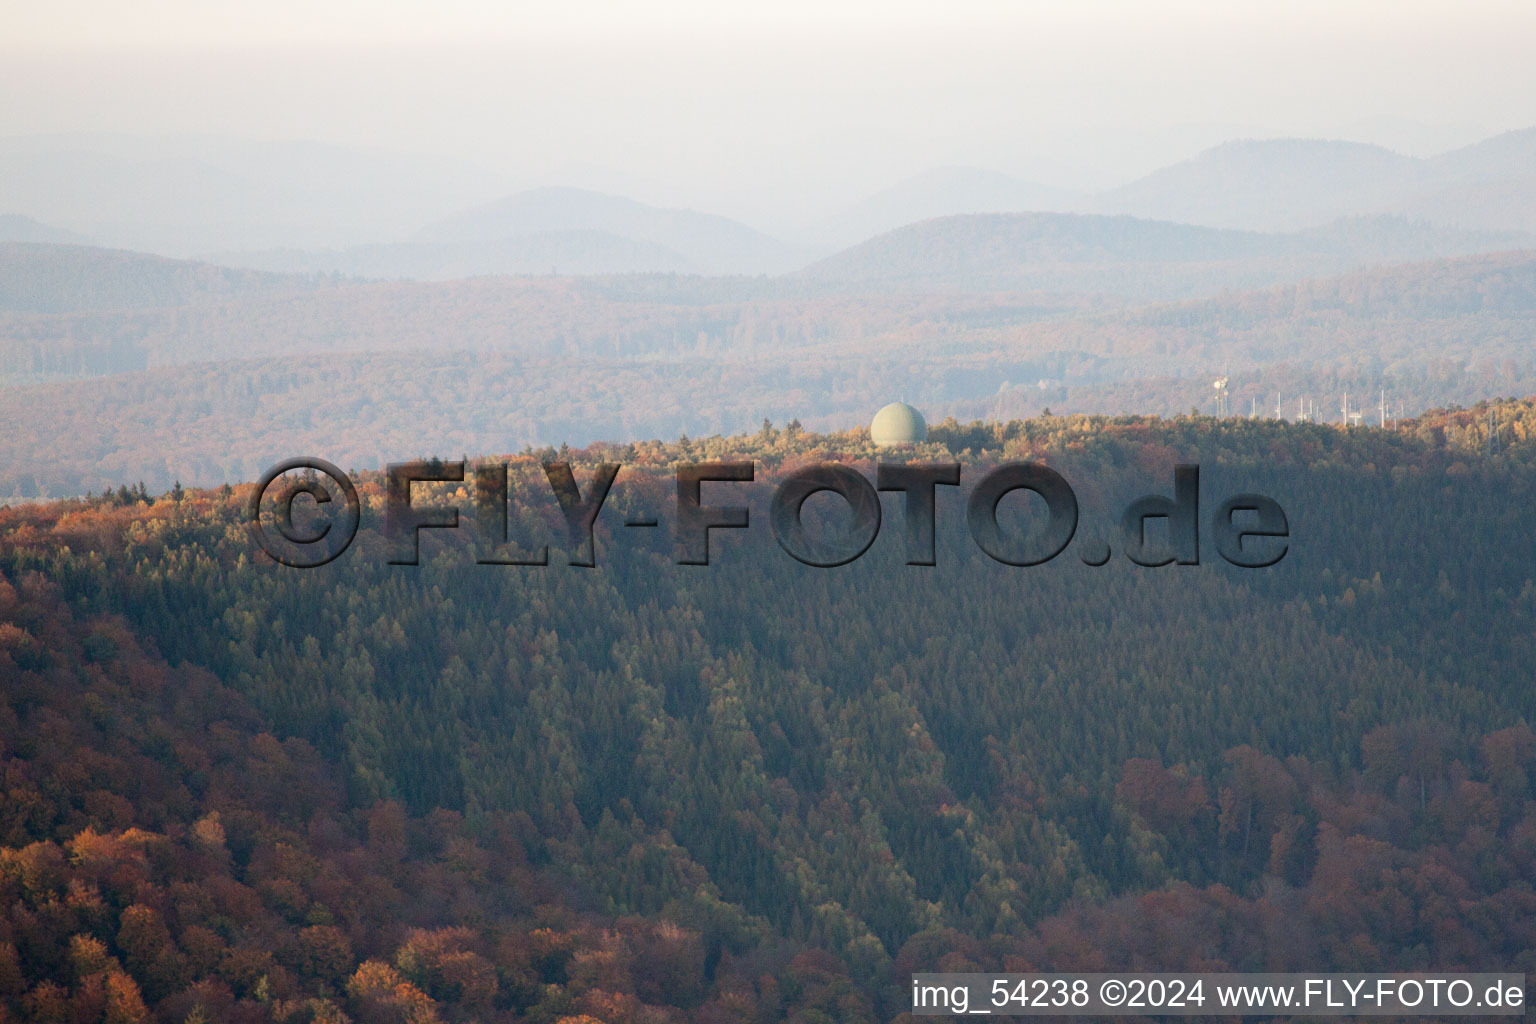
x: 663, y: 794
x: 711, y: 244
x: 941, y: 192
x: 16, y: 228
x: 46, y: 278
x: 1129, y: 257
x: 1291, y: 184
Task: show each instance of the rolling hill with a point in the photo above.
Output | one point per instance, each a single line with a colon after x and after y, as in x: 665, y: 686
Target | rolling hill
x: 367, y: 373
x: 711, y: 244
x: 652, y: 793
x: 1505, y: 204
x: 551, y: 231
x: 46, y: 278
x: 942, y: 192
x: 1128, y: 257
x: 1510, y: 155
x: 1290, y: 184
x: 538, y: 253
x: 307, y: 207
x: 15, y: 227
x: 1268, y: 185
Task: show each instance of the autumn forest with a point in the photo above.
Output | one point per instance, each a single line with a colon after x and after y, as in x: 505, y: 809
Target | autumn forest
x: 759, y: 791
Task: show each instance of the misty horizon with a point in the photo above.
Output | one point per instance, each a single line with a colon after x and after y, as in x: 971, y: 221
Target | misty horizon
x: 347, y: 197
x: 989, y: 208
x: 776, y: 116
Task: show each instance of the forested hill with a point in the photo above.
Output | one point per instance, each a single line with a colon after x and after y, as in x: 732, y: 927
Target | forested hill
x: 757, y: 791
x: 37, y: 277
x: 1130, y: 257
x: 366, y: 371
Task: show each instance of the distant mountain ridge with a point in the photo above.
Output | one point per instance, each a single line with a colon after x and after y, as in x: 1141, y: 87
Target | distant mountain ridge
x: 1265, y: 185
x: 540, y: 253
x: 15, y: 227
x: 1292, y: 184
x: 1508, y: 155
x: 553, y: 231
x: 298, y: 206
x: 47, y: 278
x: 1129, y: 256
x: 1075, y: 257
x: 710, y: 243
x: 941, y: 192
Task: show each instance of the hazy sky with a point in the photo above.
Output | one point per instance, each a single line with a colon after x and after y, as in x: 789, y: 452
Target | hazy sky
x: 758, y: 109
